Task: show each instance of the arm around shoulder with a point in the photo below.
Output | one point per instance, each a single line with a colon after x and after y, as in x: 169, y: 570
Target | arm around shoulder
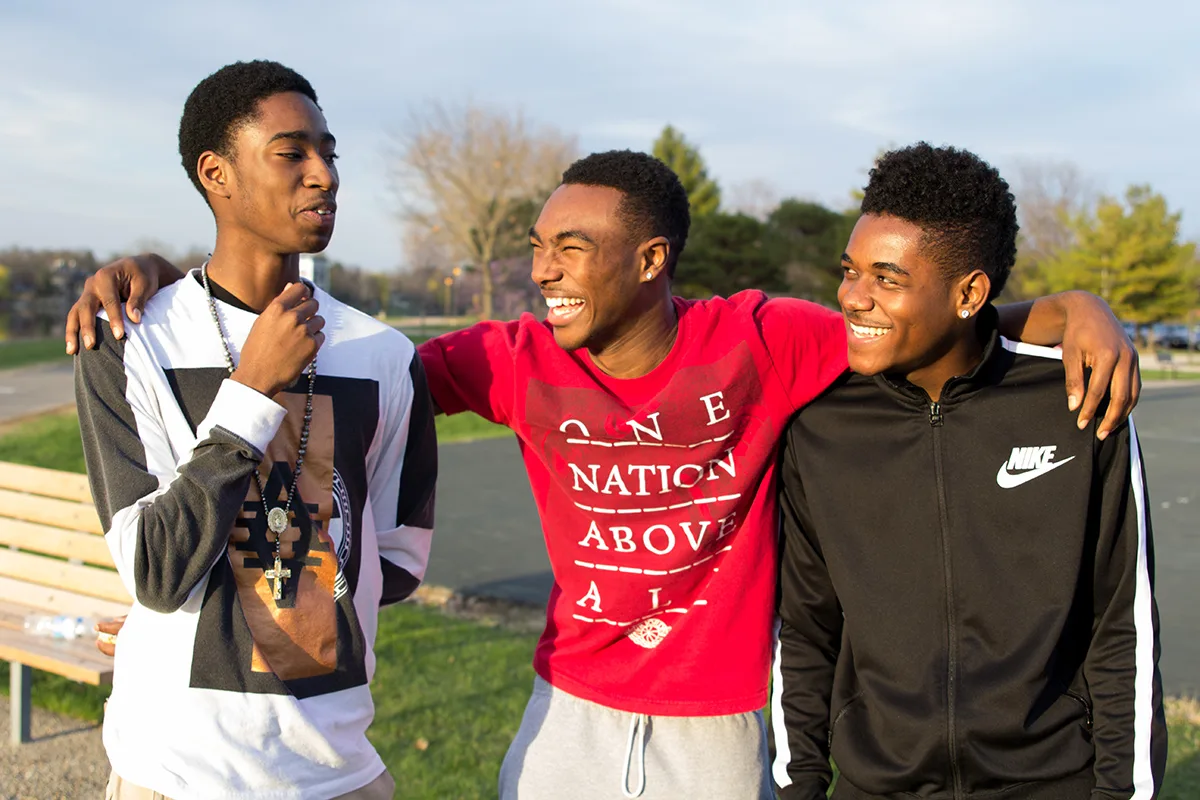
x: 1092, y: 339
x: 806, y: 343
x: 473, y: 369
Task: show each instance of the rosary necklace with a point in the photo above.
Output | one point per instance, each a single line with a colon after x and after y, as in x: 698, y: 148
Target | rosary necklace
x: 277, y: 517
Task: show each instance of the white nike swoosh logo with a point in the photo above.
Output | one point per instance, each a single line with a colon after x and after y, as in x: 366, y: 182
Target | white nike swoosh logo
x: 1006, y: 480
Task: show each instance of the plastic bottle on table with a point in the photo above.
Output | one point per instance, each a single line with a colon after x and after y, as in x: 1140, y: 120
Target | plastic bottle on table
x: 60, y: 626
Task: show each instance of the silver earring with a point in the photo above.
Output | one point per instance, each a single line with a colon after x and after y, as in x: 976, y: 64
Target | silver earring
x: 964, y: 313
x: 649, y: 276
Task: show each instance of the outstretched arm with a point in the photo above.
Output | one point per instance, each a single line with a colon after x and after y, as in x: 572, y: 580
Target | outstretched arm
x: 473, y: 370
x: 1091, y: 339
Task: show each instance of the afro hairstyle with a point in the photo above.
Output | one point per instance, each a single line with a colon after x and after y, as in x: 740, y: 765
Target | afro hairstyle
x: 966, y: 211
x: 226, y: 100
x: 654, y: 202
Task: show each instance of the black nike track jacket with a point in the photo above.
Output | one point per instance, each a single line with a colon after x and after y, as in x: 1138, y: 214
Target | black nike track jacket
x: 966, y: 595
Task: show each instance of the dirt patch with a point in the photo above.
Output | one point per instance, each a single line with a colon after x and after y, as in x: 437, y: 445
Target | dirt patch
x: 524, y: 617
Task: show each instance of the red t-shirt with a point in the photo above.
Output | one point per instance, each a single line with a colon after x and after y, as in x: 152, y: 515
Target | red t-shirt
x: 656, y: 494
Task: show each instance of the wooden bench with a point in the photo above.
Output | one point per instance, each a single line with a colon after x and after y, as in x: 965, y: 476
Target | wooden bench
x: 53, y: 560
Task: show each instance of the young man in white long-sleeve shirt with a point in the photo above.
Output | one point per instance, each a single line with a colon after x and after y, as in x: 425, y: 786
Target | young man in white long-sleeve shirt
x: 264, y: 474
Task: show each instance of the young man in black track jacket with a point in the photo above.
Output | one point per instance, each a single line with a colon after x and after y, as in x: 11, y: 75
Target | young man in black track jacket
x: 966, y: 586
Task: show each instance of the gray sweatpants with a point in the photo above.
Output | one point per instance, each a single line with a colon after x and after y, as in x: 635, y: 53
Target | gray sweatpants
x: 572, y: 749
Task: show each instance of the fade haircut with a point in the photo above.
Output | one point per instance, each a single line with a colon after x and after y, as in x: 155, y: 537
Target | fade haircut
x: 225, y: 101
x: 654, y: 201
x: 966, y: 211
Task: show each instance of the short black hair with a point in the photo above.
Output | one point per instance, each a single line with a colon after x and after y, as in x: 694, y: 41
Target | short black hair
x: 966, y: 209
x: 226, y: 100
x: 655, y: 203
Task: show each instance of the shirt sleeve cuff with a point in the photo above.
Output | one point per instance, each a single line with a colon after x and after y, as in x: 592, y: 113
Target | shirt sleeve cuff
x: 245, y: 413
x: 810, y: 789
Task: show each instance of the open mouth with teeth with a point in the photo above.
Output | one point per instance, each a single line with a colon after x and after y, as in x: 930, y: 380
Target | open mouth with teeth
x: 867, y: 332
x: 564, y: 309
x: 321, y: 216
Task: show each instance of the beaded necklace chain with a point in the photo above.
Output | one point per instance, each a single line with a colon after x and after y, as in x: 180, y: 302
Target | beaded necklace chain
x: 277, y: 517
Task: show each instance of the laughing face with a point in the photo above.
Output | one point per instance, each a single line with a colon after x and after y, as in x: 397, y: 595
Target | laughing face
x: 588, y: 266
x: 280, y: 186
x: 902, y: 314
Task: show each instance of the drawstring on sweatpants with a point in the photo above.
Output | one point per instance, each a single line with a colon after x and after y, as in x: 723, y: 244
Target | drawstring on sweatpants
x: 637, y: 733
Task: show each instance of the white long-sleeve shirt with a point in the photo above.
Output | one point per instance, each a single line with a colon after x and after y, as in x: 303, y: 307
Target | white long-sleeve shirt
x: 220, y: 690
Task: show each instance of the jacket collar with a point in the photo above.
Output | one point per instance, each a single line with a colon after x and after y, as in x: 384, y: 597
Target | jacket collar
x: 988, y: 372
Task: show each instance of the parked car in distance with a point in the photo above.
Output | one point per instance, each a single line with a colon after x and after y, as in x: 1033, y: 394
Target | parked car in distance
x: 1171, y: 336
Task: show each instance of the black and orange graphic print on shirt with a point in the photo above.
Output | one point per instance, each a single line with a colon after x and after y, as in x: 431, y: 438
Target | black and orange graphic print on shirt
x: 310, y: 641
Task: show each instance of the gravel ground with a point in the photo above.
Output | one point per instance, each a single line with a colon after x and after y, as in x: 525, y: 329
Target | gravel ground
x: 65, y: 760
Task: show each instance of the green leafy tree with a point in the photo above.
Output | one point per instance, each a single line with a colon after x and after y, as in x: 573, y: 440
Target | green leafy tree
x: 1129, y: 254
x: 4, y: 281
x: 807, y: 240
x: 512, y: 238
x: 671, y: 148
x: 727, y: 253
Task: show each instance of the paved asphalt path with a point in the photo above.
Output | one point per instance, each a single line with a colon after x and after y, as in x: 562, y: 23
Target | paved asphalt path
x: 31, y: 390
x: 489, y: 542
x: 1168, y: 423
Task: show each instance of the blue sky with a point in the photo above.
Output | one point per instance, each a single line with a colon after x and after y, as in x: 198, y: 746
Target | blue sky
x: 795, y: 93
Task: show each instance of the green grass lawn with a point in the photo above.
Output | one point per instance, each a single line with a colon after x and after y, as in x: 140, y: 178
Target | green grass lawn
x: 448, y: 695
x: 448, y: 692
x: 23, y: 352
x: 1160, y: 375
x: 51, y: 441
x: 1183, y: 757
x: 467, y: 427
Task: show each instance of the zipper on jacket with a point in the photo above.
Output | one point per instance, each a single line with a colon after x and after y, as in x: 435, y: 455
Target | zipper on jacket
x: 935, y: 421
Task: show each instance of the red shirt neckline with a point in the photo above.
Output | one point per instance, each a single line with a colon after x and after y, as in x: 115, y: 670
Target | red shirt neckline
x: 633, y: 391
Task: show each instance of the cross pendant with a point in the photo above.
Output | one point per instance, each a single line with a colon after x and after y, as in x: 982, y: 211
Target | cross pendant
x: 277, y: 576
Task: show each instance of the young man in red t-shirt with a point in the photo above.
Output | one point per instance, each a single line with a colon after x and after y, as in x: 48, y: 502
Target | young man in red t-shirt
x: 649, y: 426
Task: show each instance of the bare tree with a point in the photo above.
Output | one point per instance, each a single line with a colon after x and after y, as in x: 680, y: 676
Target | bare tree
x: 1049, y: 195
x: 462, y: 172
x: 423, y: 247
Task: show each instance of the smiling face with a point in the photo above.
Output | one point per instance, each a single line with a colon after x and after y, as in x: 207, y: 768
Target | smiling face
x: 902, y: 314
x: 280, y: 186
x: 591, y: 268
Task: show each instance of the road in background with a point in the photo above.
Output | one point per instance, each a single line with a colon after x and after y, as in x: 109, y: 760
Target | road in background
x: 1168, y: 423
x: 34, y: 389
